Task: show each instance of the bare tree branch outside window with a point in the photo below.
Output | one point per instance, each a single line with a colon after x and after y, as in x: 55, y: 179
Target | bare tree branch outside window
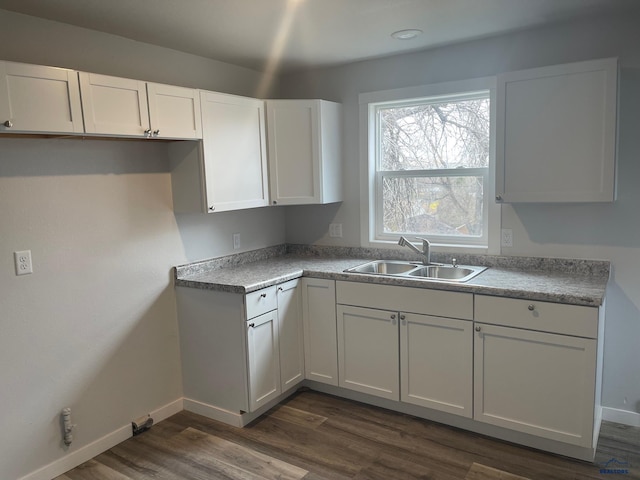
x: 433, y: 163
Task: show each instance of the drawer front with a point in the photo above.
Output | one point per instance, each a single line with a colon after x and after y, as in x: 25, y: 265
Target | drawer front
x: 261, y: 301
x: 406, y: 299
x: 549, y: 317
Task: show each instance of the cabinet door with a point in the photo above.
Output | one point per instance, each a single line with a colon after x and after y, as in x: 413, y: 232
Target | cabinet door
x: 294, y: 162
x: 556, y: 133
x: 235, y: 162
x: 319, y: 320
x: 114, y: 106
x: 368, y: 351
x: 263, y: 359
x: 537, y: 383
x: 39, y: 99
x: 437, y: 363
x: 290, y: 335
x: 174, y: 112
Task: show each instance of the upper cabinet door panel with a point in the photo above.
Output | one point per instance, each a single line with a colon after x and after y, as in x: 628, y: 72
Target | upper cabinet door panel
x: 235, y: 160
x: 294, y: 151
x: 305, y: 151
x: 114, y: 106
x: 174, y: 111
x: 39, y: 99
x: 556, y: 133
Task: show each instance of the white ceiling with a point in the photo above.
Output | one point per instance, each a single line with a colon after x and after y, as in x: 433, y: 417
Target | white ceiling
x: 292, y: 34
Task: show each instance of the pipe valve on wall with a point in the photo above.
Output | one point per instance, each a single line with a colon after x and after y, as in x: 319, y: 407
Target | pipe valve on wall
x: 67, y: 426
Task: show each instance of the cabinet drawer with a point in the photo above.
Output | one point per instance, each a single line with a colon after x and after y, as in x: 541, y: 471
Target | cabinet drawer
x: 261, y: 301
x: 406, y: 299
x: 550, y: 317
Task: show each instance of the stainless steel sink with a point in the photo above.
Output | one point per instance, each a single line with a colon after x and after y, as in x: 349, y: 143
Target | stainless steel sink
x: 399, y: 268
x: 447, y: 272
x: 384, y: 267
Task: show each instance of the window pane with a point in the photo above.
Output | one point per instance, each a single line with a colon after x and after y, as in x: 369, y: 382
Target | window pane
x: 430, y: 136
x: 433, y: 205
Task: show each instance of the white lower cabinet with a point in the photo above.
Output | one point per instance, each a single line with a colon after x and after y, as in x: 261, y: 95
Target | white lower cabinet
x: 320, y: 337
x: 531, y: 368
x: 537, y: 383
x: 436, y: 363
x: 536, y: 380
x: 263, y: 354
x: 290, y: 334
x: 368, y: 351
x: 239, y: 352
x: 403, y: 353
x: 275, y: 350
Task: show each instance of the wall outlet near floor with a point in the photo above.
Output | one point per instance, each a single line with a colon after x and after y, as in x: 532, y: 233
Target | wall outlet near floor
x: 23, y: 262
x: 236, y: 241
x: 506, y: 239
x: 335, y: 230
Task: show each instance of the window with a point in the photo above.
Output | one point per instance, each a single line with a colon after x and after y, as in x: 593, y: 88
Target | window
x: 429, y: 165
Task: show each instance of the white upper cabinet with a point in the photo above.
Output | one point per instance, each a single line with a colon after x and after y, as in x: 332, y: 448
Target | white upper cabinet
x: 39, y: 99
x: 556, y: 133
x: 229, y: 170
x: 123, y: 107
x: 304, y: 138
x: 174, y: 112
x: 114, y: 106
x: 235, y: 160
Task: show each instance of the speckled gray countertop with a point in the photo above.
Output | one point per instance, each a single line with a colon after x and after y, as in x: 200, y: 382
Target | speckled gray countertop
x: 575, y: 282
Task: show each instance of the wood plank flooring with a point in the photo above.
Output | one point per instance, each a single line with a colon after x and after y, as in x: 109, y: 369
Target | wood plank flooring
x: 315, y: 436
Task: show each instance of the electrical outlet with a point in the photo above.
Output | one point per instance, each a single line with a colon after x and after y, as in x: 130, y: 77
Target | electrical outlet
x: 236, y: 241
x: 23, y: 262
x: 335, y: 230
x: 507, y: 237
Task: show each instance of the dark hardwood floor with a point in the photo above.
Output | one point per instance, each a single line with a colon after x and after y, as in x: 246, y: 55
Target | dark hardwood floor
x: 314, y: 436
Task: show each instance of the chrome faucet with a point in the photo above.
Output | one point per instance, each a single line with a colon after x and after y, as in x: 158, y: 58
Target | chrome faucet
x: 426, y: 248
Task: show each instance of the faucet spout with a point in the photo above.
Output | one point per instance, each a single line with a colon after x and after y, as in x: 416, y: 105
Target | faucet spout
x: 426, y: 248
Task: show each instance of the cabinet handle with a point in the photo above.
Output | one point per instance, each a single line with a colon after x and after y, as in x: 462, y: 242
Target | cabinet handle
x: 8, y: 124
x: 263, y: 295
x: 212, y: 208
x: 393, y: 316
x: 252, y: 324
x: 280, y: 289
x: 147, y: 132
x: 478, y: 328
x: 156, y: 133
x: 402, y: 317
x: 275, y: 202
x: 498, y: 198
x: 531, y: 307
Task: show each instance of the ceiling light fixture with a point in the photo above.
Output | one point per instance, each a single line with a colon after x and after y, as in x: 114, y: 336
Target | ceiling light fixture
x: 408, y: 34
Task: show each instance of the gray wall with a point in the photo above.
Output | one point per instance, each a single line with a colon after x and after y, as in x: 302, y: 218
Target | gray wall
x: 94, y: 327
x: 609, y: 231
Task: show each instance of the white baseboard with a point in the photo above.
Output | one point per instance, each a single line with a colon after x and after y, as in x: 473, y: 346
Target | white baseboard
x: 621, y: 416
x: 77, y: 457
x: 213, y: 412
x: 166, y: 411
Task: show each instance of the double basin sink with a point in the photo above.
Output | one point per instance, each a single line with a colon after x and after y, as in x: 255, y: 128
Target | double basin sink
x: 399, y: 268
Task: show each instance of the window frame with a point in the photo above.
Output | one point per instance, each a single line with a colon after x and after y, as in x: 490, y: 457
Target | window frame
x: 372, y: 234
